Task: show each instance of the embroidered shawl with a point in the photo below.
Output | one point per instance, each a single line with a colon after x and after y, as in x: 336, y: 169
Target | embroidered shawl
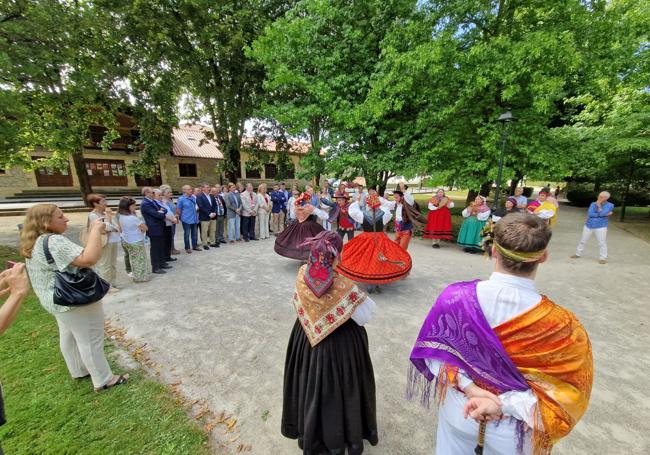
x: 321, y: 316
x: 545, y: 349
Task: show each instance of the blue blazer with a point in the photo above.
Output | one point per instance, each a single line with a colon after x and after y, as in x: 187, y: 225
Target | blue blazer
x: 154, y: 219
x: 205, y: 209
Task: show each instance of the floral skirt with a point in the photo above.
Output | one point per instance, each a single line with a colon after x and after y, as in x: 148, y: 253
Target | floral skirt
x: 139, y: 260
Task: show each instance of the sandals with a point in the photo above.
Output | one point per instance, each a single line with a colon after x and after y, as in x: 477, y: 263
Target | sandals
x: 120, y: 380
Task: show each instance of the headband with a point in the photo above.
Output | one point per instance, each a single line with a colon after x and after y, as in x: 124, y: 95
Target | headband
x: 519, y: 256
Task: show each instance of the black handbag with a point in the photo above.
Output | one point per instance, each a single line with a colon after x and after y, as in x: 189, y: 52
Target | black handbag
x: 76, y: 289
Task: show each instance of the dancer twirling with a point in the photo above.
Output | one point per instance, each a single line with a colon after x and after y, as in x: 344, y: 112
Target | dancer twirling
x: 288, y: 242
x: 372, y: 257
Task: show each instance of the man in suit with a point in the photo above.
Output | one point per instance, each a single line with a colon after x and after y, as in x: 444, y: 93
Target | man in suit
x: 220, y: 210
x: 233, y: 206
x: 207, y: 217
x: 154, y: 217
x: 250, y: 203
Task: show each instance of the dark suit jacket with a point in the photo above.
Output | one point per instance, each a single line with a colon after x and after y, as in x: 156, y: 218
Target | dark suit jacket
x: 154, y: 219
x: 205, y: 209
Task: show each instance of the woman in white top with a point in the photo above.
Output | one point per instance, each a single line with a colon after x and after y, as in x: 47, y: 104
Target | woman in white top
x: 133, y: 240
x: 106, y: 267
x: 81, y: 329
x: 265, y: 206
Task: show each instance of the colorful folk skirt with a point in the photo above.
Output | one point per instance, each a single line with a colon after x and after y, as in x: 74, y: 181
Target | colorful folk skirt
x: 438, y: 225
x: 470, y: 233
x: 328, y: 400
x: 287, y: 242
x: 374, y: 258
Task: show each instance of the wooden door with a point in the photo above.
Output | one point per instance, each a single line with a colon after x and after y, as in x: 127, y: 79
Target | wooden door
x: 47, y: 176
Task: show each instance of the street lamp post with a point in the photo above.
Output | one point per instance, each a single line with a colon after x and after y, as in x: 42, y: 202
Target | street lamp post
x: 506, y: 118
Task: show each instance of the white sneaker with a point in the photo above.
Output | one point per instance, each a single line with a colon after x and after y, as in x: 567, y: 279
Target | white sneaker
x: 130, y: 274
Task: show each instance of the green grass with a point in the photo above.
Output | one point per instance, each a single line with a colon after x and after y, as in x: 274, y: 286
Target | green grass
x: 50, y: 413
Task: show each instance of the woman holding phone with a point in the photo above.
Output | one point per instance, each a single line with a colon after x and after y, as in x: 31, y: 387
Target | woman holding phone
x: 81, y: 328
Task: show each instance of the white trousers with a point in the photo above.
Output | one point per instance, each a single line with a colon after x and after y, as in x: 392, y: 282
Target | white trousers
x: 106, y: 267
x: 601, y: 236
x: 459, y: 436
x: 81, y: 337
x: 263, y: 224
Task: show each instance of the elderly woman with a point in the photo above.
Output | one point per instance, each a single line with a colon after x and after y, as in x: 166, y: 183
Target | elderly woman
x: 264, y: 211
x: 476, y: 215
x: 168, y: 200
x: 329, y: 385
x: 107, y: 265
x: 439, y: 219
x: 133, y: 241
x: 81, y: 329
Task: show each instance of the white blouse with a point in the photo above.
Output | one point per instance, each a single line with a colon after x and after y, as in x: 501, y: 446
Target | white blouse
x: 481, y: 216
x: 356, y: 213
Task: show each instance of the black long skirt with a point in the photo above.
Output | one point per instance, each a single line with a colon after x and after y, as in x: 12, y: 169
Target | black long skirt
x: 287, y: 243
x: 329, y: 392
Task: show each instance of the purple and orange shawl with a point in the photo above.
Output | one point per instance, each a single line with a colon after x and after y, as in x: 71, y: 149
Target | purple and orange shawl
x: 544, y: 349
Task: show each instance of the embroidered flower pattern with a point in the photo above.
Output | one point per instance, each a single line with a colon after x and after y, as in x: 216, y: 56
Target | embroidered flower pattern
x: 340, y: 310
x: 330, y: 318
x: 301, y: 311
x: 317, y: 329
x: 353, y: 297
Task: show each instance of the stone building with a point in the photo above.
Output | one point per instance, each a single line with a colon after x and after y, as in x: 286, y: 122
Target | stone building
x: 192, y: 160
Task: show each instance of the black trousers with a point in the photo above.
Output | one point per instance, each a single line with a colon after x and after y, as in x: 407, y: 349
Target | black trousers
x: 169, y: 240
x: 157, y: 252
x: 248, y: 227
x: 343, y: 233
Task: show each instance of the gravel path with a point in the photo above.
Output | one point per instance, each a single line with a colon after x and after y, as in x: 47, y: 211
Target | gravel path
x: 218, y: 324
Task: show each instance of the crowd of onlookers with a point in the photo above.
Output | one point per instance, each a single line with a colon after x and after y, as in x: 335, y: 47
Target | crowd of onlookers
x: 210, y: 216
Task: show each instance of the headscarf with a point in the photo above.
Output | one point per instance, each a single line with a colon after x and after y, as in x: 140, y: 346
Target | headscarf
x: 324, y: 248
x: 483, y: 207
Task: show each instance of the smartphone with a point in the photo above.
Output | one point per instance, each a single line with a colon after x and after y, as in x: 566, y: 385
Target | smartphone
x: 10, y: 264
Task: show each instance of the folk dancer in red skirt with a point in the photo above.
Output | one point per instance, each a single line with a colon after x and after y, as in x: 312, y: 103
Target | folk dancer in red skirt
x: 439, y: 219
x: 372, y: 257
x: 288, y: 242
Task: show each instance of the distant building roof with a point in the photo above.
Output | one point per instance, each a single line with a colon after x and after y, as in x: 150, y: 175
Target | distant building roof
x: 190, y: 141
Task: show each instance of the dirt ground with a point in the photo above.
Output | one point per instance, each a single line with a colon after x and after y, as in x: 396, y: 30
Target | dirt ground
x: 218, y: 325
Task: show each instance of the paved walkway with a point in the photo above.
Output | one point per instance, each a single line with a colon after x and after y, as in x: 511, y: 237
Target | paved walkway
x: 219, y: 323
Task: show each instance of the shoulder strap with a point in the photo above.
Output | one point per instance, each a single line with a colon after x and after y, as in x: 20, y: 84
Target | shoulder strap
x: 46, y: 250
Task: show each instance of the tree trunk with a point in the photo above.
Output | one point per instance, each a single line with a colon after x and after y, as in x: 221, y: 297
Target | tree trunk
x: 82, y: 175
x: 471, y: 195
x: 515, y: 181
x: 232, y: 156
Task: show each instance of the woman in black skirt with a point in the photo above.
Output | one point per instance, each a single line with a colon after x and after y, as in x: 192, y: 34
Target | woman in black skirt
x: 329, y: 384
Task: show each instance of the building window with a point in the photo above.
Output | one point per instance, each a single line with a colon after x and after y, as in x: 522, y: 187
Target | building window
x: 253, y: 174
x: 187, y: 170
x: 270, y: 171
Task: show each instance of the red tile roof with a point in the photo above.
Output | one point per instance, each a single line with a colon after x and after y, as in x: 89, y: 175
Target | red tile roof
x: 189, y: 141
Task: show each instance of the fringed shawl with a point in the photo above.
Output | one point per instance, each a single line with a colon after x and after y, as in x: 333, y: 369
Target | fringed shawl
x: 320, y: 316
x: 544, y: 349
